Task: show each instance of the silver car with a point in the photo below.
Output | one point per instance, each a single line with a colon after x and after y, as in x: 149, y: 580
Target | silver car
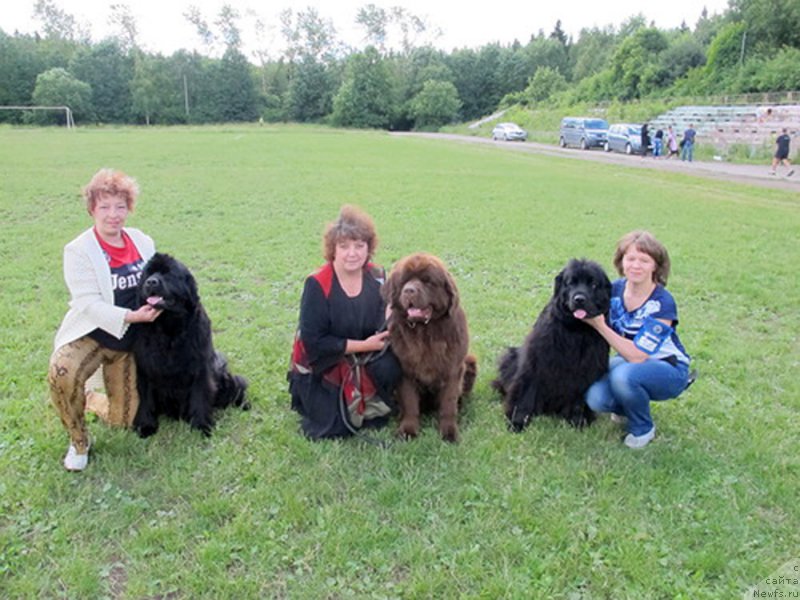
x: 508, y: 132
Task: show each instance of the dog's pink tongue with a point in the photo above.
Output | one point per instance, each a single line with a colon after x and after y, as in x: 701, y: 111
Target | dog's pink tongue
x: 579, y: 314
x: 415, y: 313
x: 154, y: 300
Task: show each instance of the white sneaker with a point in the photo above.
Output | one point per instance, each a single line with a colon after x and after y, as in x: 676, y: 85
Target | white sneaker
x: 74, y: 461
x: 640, y: 441
x: 615, y: 418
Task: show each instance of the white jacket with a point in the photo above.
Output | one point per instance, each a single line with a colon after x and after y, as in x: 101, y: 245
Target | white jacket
x: 88, y: 278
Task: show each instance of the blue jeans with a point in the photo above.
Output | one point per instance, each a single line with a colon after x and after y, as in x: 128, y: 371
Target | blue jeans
x: 628, y: 388
x: 656, y: 147
x: 688, y: 151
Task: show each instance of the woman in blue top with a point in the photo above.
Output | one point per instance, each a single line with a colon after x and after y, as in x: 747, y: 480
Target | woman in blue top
x: 651, y: 364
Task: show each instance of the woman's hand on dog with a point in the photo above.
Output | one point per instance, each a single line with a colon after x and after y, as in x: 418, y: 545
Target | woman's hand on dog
x: 596, y: 322
x: 373, y: 343
x: 143, y: 314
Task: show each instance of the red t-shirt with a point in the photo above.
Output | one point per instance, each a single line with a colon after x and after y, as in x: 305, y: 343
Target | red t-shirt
x: 126, y: 266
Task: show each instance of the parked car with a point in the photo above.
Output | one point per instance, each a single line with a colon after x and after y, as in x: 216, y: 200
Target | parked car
x: 508, y: 132
x: 624, y: 137
x: 583, y: 132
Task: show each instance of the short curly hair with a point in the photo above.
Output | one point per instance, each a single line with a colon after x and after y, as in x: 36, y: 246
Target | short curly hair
x: 644, y: 241
x: 352, y: 224
x: 109, y: 182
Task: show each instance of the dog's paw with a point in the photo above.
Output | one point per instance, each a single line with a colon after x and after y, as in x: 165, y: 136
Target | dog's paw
x: 449, y: 433
x: 241, y: 397
x: 204, y: 427
x: 515, y: 427
x: 517, y: 421
x: 145, y: 431
x: 407, y: 431
x: 581, y: 418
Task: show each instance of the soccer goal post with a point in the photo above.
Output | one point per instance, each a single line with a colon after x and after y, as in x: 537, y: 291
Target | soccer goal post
x: 69, y: 121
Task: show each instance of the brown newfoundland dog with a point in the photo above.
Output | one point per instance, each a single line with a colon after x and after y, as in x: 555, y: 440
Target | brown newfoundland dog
x: 428, y: 334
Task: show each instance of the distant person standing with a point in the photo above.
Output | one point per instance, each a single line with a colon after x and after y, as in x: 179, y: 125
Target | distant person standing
x: 672, y: 142
x: 645, y: 140
x: 658, y: 142
x: 782, y: 153
x: 688, y: 143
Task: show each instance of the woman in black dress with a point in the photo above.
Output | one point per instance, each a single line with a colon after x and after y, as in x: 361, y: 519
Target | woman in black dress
x: 645, y: 139
x: 343, y: 374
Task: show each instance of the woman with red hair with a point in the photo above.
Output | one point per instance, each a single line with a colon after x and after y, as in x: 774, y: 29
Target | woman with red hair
x: 102, y: 267
x: 343, y: 373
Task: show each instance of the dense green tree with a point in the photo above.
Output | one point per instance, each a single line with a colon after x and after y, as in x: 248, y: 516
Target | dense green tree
x: 592, y: 52
x: 636, y: 65
x: 311, y: 90
x: 770, y: 74
x: 558, y: 34
x: 770, y: 24
x: 725, y: 50
x: 436, y: 104
x: 544, y: 84
x: 475, y: 75
x: 109, y: 70
x: 409, y: 72
x: 234, y: 90
x: 57, y: 87
x: 684, y: 53
x: 20, y: 63
x: 423, y: 64
x: 516, y: 67
x: 366, y: 97
x: 706, y: 28
x: 750, y: 47
x: 155, y: 91
x: 189, y: 87
x: 600, y: 86
x: 275, y: 81
x: 549, y: 52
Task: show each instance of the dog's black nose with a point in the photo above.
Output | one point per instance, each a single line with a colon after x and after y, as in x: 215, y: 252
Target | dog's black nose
x: 579, y: 299
x: 151, y: 283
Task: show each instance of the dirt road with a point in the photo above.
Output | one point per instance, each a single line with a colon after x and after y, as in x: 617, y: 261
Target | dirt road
x: 747, y: 174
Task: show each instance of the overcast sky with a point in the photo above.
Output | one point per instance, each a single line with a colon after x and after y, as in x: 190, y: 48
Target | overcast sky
x: 162, y: 27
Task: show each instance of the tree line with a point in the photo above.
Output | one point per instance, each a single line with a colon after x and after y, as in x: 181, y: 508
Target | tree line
x: 397, y: 80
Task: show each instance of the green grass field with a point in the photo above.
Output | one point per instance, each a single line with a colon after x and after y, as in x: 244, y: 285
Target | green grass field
x: 707, y: 510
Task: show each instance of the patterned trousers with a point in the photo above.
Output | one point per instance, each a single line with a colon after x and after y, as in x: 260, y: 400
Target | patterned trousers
x: 72, y: 368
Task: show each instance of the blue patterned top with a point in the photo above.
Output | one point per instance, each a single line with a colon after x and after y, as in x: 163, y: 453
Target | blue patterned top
x: 640, y: 325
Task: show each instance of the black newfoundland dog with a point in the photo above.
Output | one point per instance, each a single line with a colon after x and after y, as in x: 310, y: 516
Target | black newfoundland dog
x: 562, y: 356
x: 178, y: 371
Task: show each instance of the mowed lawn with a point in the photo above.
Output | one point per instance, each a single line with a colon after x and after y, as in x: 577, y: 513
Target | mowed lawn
x: 709, y: 509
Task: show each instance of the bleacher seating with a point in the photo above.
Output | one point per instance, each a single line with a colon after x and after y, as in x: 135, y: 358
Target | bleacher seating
x: 752, y: 125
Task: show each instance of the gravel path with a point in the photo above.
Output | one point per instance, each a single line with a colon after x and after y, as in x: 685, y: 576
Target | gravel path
x: 748, y: 174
